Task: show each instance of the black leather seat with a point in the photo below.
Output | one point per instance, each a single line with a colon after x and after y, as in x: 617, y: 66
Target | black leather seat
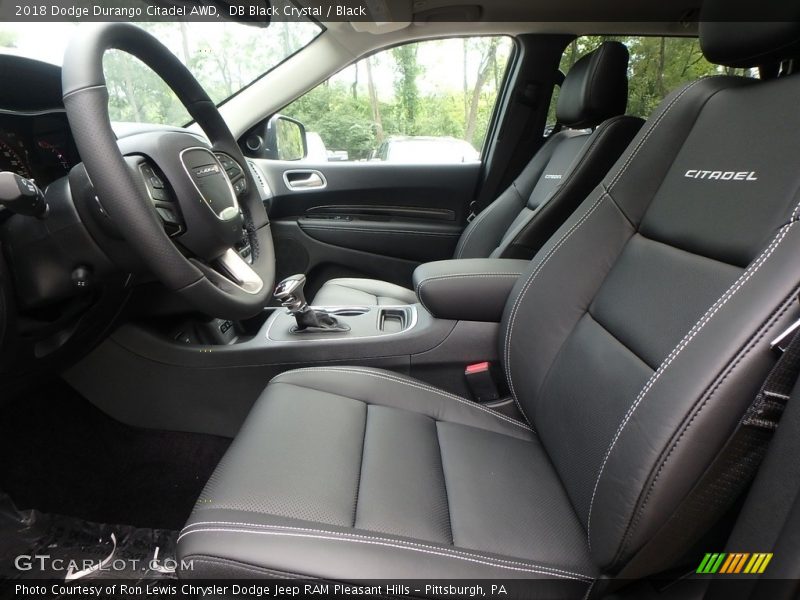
x: 354, y: 473
x: 633, y: 346
x: 591, y: 106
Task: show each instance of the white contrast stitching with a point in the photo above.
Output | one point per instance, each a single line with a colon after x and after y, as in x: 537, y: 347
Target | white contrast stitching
x: 566, y: 175
x: 482, y: 215
x: 379, y: 543
x: 410, y: 384
x: 379, y: 538
x: 565, y: 237
x: 464, y: 276
x: 701, y: 403
x: 576, y: 163
x: 649, y: 132
x: 395, y: 543
x: 531, y: 278
x: 704, y: 320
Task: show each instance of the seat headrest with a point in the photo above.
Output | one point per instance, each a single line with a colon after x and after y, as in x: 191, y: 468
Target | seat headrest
x: 596, y: 87
x: 729, y: 35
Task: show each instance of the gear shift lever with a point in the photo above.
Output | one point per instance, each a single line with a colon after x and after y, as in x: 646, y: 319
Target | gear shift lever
x: 290, y: 294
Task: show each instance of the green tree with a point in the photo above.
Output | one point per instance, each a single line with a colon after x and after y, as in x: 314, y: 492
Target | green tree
x: 374, y: 102
x: 487, y: 66
x: 407, y: 71
x: 223, y: 64
x: 359, y: 122
x: 342, y: 121
x: 657, y: 66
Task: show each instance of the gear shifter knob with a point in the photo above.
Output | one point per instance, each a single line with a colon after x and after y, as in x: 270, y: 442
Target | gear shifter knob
x: 290, y: 293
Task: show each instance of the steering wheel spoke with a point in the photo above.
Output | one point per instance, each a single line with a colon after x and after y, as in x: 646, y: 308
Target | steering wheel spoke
x: 238, y: 270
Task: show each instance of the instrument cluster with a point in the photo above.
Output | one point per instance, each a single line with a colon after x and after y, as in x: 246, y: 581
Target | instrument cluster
x: 37, y: 146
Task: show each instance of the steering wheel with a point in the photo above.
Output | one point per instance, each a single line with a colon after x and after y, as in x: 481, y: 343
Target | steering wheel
x: 220, y: 255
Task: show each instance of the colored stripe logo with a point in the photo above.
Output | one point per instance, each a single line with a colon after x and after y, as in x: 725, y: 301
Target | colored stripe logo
x: 734, y: 563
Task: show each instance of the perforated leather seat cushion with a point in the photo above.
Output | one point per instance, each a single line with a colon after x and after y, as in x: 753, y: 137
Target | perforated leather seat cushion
x: 377, y: 475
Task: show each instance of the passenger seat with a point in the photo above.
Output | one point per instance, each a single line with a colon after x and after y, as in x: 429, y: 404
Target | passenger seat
x: 592, y: 133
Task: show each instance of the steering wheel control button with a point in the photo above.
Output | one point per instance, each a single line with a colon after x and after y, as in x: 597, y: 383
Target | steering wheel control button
x: 231, y: 167
x: 234, y: 173
x: 154, y: 183
x: 172, y: 224
x: 167, y: 215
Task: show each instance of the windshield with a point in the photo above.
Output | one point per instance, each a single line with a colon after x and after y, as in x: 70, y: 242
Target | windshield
x: 224, y: 57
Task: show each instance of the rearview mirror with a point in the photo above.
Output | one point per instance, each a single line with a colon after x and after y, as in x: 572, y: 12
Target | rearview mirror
x: 286, y: 139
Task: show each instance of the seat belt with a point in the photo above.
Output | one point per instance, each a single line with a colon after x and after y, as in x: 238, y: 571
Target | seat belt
x: 730, y: 472
x: 769, y: 521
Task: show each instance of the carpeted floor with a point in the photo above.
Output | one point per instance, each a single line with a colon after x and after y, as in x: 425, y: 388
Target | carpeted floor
x: 62, y: 455
x: 68, y: 547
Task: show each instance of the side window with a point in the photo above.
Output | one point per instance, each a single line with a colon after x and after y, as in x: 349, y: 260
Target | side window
x: 658, y: 65
x: 425, y: 102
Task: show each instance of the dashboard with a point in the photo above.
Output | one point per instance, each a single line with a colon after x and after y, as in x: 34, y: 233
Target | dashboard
x: 37, y: 145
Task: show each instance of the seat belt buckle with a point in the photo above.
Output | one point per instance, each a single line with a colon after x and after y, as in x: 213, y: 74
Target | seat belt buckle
x: 472, y: 214
x: 481, y: 383
x: 780, y: 343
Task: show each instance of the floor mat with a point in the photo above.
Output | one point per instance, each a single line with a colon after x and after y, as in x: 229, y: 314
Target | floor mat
x: 61, y: 455
x: 34, y: 545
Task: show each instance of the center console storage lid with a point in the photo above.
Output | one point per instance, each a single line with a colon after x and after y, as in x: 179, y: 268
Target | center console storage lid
x: 471, y: 289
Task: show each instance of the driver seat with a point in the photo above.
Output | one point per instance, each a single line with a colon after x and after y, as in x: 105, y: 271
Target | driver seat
x: 633, y: 345
x: 593, y: 132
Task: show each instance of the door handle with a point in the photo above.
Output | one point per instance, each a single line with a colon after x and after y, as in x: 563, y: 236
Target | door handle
x: 301, y: 180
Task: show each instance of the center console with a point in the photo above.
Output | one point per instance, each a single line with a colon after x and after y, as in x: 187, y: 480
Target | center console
x: 207, y: 383
x: 304, y: 323
x: 352, y: 323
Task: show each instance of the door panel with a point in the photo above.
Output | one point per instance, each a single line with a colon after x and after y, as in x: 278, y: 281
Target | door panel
x: 393, y: 189
x: 393, y: 158
x: 367, y: 219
